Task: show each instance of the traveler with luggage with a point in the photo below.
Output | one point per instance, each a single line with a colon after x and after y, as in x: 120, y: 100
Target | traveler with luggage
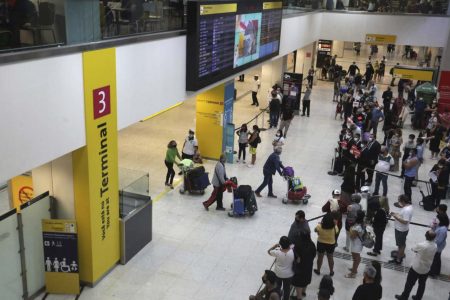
x: 284, y: 259
x: 171, y: 155
x: 273, y: 164
x: 218, y: 183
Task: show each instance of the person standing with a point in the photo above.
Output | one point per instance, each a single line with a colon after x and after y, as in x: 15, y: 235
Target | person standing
x: 253, y: 141
x: 306, y: 101
x: 441, y: 242
x: 377, y: 116
x: 255, y: 89
x: 379, y: 226
x: 373, y: 150
x: 326, y: 242
x: 274, y: 110
x: 273, y: 164
x: 385, y: 163
x: 171, y: 155
x: 218, y: 182
x: 242, y: 141
x: 310, y: 77
x: 284, y: 259
x: 352, y: 69
x: 411, y: 165
x: 356, y: 235
x: 271, y: 290
x: 425, y: 252
x: 391, y: 71
x: 395, y: 143
x: 305, y: 252
x: 401, y: 224
x: 352, y: 214
x: 440, y: 181
x: 190, y: 147
x: 387, y: 98
x: 299, y: 226
x: 287, y: 115
x: 369, y: 289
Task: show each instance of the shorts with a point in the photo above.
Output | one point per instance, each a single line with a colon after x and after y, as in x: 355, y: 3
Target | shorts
x: 400, y: 238
x: 252, y: 150
x: 328, y: 248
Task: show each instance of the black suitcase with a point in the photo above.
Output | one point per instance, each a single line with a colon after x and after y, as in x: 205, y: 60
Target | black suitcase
x: 244, y: 192
x: 427, y: 201
x: 196, y: 172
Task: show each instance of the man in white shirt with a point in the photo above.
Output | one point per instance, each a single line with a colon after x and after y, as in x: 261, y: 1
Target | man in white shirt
x: 385, y: 162
x: 420, y: 267
x: 255, y: 89
x: 402, y: 220
x: 190, y: 146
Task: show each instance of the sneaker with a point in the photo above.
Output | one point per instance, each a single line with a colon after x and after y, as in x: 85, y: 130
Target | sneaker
x: 331, y: 273
x: 272, y: 196
x: 250, y: 165
x: 399, y: 297
x: 243, y: 161
x: 372, y: 253
x: 220, y: 208
x: 258, y: 195
x: 206, y: 207
x: 350, y: 275
x: 317, y: 271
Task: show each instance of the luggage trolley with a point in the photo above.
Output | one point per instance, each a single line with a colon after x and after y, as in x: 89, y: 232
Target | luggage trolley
x: 244, y: 202
x: 296, y: 192
x: 195, y: 179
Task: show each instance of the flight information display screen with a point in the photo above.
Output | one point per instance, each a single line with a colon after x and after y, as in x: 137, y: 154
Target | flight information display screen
x: 226, y: 37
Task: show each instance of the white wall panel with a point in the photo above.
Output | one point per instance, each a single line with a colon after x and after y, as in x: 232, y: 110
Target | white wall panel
x: 41, y: 112
x: 150, y: 77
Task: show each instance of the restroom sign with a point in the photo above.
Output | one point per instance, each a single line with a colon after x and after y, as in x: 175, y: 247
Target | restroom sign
x: 60, y: 261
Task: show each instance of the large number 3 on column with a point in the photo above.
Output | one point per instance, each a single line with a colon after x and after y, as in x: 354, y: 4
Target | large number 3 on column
x: 102, y: 102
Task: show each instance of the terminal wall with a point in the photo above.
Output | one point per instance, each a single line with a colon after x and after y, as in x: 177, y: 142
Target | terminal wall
x: 42, y: 107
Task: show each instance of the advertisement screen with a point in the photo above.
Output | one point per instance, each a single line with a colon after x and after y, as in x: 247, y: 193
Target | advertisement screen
x: 224, y: 38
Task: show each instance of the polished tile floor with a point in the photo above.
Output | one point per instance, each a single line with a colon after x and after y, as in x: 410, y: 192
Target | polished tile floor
x: 197, y: 254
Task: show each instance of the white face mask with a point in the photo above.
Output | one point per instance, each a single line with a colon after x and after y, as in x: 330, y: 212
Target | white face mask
x: 355, y: 139
x: 277, y: 135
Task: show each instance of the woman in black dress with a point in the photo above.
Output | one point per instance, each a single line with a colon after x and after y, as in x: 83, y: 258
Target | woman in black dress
x: 305, y: 252
x: 437, y: 133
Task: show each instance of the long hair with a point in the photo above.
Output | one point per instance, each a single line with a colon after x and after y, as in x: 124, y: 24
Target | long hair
x: 328, y: 221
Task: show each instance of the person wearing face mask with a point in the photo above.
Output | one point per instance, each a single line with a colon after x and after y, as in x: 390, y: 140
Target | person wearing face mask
x: 373, y: 150
x: 218, y: 182
x: 396, y: 142
x: 377, y: 117
x: 273, y: 164
x: 410, y: 164
x: 278, y: 140
x: 439, y: 181
x: 385, y: 163
x: 407, y: 148
x: 270, y: 291
x: 190, y: 147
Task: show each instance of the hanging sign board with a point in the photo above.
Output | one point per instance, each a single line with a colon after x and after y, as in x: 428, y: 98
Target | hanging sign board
x: 61, y: 256
x: 21, y: 189
x: 380, y: 39
x: 414, y: 74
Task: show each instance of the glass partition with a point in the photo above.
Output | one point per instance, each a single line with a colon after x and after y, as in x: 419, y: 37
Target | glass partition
x: 132, y: 184
x: 32, y: 214
x: 126, y: 17
x: 31, y: 23
x: 10, y: 270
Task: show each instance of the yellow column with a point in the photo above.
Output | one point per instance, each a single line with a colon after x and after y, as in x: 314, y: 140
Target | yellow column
x: 95, y: 170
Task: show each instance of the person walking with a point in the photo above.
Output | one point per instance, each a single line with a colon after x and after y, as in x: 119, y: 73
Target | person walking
x: 171, y: 155
x: 274, y: 110
x: 253, y: 141
x: 310, y: 77
x: 401, y: 224
x: 326, y: 242
x: 306, y: 102
x: 423, y: 259
x: 218, y: 182
x: 305, y: 252
x: 256, y: 85
x: 273, y: 164
x: 287, y: 114
x: 411, y: 165
x: 441, y: 242
x: 284, y: 259
x: 379, y: 226
x: 369, y: 289
x: 384, y: 165
x: 242, y: 141
x: 356, y: 235
x: 299, y: 226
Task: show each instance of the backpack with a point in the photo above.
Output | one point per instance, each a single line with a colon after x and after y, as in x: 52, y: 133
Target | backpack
x: 258, y: 139
x: 367, y: 239
x: 427, y: 203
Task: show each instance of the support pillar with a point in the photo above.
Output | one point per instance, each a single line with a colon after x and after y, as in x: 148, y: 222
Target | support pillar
x: 271, y: 73
x: 305, y: 59
x: 214, y: 121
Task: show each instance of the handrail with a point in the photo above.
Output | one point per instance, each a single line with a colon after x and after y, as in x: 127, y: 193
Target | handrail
x: 263, y: 110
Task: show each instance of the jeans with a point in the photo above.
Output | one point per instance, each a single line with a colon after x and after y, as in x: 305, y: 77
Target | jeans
x: 274, y: 116
x: 306, y: 107
x: 435, y: 269
x: 255, y: 99
x: 383, y: 179
x: 170, y: 172
x: 407, y: 186
x: 242, y: 151
x: 286, y: 282
x: 413, y: 276
x: 217, y: 195
x: 267, y: 181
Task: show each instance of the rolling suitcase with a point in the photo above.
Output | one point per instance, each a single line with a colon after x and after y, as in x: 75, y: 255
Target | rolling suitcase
x: 238, y: 206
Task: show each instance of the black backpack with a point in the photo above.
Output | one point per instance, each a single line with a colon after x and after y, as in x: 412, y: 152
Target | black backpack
x: 427, y: 202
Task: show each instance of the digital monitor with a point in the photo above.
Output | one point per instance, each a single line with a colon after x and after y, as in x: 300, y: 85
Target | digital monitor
x: 225, y: 37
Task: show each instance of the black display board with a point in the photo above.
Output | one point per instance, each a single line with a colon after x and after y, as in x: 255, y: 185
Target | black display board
x: 323, y: 52
x: 226, y: 37
x: 292, y: 89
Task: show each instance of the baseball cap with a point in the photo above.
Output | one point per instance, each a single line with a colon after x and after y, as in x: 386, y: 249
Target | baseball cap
x: 336, y: 193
